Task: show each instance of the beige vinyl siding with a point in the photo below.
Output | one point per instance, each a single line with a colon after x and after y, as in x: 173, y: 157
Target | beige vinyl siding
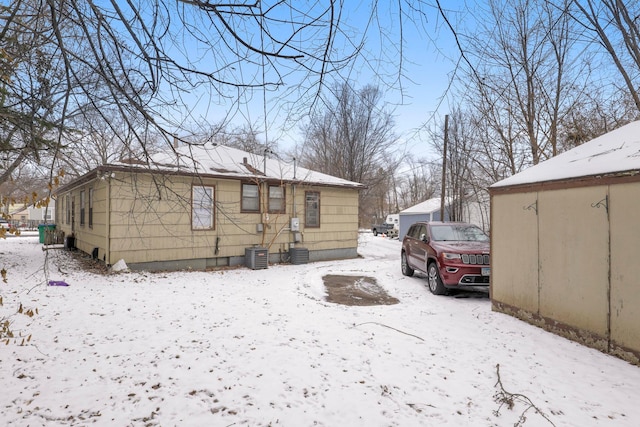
x: 338, y: 220
x: 151, y: 220
x: 146, y: 228
x: 86, y: 238
x: 146, y: 218
x: 95, y: 236
x: 625, y: 268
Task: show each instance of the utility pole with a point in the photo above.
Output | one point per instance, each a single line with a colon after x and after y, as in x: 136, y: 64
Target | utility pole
x: 444, y: 167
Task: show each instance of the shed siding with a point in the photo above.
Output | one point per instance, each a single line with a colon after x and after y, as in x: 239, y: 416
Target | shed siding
x: 585, y: 274
x: 625, y: 268
x: 514, y: 250
x: 574, y: 255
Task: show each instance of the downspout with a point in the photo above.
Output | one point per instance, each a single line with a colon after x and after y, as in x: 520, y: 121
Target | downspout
x: 107, y: 225
x: 609, y: 308
x: 293, y: 189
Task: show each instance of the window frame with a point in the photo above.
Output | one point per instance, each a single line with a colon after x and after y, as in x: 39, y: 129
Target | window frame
x: 255, y: 199
x: 282, y: 200
x: 307, y: 210
x: 200, y: 205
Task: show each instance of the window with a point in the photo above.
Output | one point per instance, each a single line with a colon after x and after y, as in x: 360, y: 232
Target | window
x: 91, y: 207
x: 276, y: 199
x: 60, y: 212
x: 312, y: 209
x: 68, y: 203
x: 82, y: 207
x: 72, y: 209
x: 250, y: 198
x: 202, y: 208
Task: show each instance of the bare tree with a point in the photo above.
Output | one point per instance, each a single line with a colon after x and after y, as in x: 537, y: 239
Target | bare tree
x: 462, y: 183
x: 598, y: 112
x: 246, y: 137
x: 418, y: 183
x: 107, y: 141
x: 352, y: 138
x: 171, y: 63
x: 522, y: 78
x: 614, y: 25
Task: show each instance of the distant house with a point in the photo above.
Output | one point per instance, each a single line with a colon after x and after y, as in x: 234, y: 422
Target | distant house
x: 30, y: 215
x: 43, y: 214
x: 199, y: 207
x: 429, y: 210
x: 565, y: 241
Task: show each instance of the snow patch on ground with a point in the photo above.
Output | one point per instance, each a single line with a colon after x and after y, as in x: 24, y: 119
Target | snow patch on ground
x: 264, y: 347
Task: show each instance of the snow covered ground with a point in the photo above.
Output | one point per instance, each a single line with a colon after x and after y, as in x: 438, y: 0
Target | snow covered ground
x: 264, y: 348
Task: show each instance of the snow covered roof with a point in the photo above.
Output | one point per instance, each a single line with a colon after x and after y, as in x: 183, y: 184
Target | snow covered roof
x: 428, y: 206
x: 614, y: 152
x: 220, y: 160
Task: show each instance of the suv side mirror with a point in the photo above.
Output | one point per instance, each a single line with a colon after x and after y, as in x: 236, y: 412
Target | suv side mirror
x: 424, y: 238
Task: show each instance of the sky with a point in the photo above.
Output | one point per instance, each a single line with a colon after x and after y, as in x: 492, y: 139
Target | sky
x: 265, y: 348
x: 418, y: 97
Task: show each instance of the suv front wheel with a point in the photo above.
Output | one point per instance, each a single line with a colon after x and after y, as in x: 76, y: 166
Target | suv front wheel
x: 435, y: 282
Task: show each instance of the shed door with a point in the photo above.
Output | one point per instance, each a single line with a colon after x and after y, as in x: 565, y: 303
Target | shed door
x: 514, y: 250
x: 574, y: 257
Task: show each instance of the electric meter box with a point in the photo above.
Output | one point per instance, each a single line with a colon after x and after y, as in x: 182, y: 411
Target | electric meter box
x: 295, y: 224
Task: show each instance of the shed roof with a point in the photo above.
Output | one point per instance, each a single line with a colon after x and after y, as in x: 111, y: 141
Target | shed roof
x: 614, y: 152
x: 428, y: 206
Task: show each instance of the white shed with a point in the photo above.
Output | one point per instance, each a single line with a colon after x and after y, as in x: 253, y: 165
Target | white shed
x: 429, y: 210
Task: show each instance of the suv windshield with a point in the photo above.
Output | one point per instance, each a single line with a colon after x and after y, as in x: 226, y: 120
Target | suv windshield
x: 458, y: 233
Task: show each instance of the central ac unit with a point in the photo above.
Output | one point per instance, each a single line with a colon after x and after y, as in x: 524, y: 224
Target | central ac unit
x: 299, y: 255
x: 256, y: 258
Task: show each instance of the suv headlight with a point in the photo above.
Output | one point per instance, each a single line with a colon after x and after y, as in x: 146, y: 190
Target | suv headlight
x: 449, y: 256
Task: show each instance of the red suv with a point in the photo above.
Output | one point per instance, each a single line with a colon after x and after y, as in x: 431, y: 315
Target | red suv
x: 454, y: 255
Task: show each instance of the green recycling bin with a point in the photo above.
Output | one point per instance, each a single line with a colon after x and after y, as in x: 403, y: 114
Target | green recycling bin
x: 43, y: 229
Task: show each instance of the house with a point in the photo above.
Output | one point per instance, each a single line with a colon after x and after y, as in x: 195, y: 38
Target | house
x: 200, y: 207
x: 564, y: 243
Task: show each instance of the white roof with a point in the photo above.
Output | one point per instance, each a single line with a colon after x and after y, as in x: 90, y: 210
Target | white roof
x: 614, y: 152
x: 427, y: 206
x: 230, y: 162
